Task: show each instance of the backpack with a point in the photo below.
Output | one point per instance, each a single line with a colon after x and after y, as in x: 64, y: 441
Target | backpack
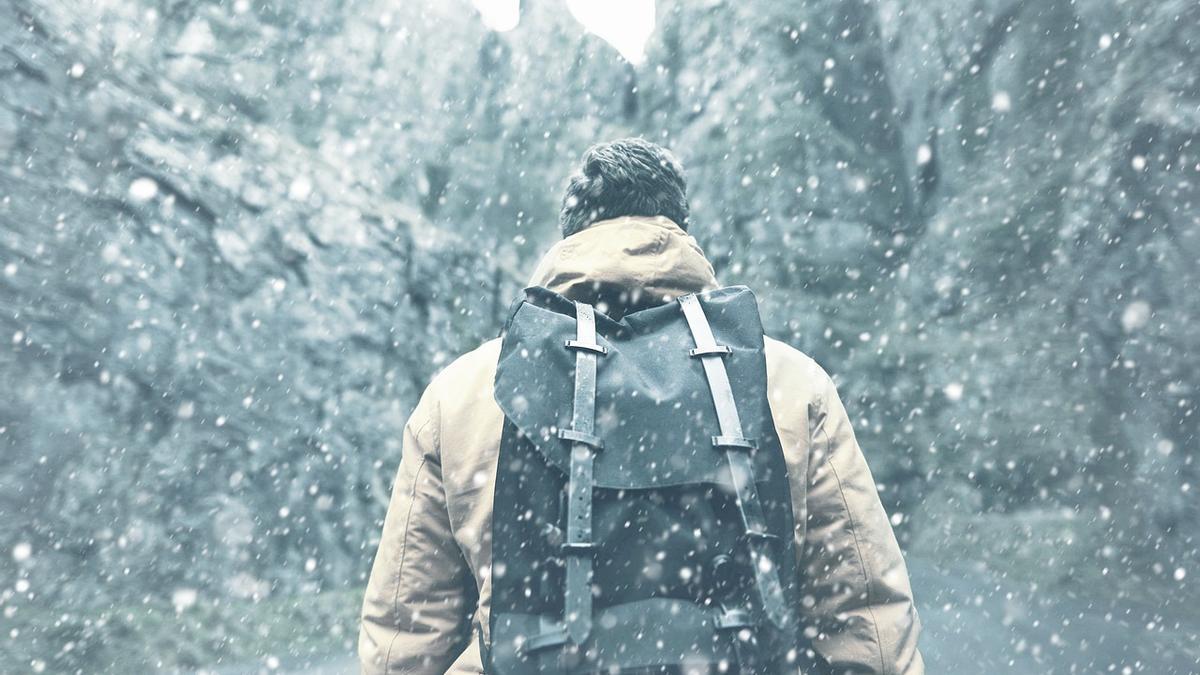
x: 642, y: 518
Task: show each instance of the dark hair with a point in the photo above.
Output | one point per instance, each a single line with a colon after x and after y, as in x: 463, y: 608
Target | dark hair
x: 626, y: 177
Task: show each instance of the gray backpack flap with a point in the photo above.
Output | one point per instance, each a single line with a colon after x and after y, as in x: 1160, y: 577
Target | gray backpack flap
x: 642, y: 517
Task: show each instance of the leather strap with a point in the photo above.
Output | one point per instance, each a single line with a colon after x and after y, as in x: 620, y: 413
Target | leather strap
x: 738, y: 624
x: 577, y: 597
x: 638, y: 637
x: 733, y: 618
x: 553, y: 635
x: 578, y: 547
x: 737, y: 451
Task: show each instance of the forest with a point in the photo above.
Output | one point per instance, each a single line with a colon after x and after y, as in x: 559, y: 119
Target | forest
x: 239, y: 236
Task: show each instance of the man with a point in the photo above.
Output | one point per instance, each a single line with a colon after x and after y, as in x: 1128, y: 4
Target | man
x: 625, y: 247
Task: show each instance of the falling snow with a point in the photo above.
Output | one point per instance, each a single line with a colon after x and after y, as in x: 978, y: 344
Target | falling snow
x: 239, y: 238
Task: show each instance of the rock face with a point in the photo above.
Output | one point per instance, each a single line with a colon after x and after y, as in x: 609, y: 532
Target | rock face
x: 213, y: 335
x: 236, y: 239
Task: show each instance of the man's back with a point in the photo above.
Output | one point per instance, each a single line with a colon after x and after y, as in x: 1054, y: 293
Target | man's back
x: 432, y: 577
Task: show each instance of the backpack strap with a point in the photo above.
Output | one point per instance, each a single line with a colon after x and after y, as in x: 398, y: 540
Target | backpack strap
x: 736, y: 621
x: 737, y: 451
x: 577, y: 597
x: 578, y: 547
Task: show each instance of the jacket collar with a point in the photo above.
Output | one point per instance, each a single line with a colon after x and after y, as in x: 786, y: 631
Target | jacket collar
x: 625, y: 264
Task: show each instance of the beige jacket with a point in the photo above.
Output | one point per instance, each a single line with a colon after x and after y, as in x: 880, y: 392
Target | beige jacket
x: 429, y: 591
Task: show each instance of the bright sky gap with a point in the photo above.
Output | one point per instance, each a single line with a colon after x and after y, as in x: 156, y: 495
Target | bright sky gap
x: 625, y: 24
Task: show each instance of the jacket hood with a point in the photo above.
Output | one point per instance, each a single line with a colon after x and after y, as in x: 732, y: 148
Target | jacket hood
x: 626, y: 264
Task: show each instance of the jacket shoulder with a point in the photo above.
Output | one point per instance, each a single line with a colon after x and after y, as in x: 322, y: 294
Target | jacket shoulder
x: 478, y: 366
x: 466, y: 374
x: 784, y: 357
x: 463, y: 389
x: 793, y: 375
x: 482, y: 357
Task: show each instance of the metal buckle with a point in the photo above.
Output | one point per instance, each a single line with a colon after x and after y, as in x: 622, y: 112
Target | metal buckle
x: 734, y: 443
x: 578, y: 547
x: 759, y: 535
x: 720, y: 350
x: 555, y: 636
x: 580, y: 437
x: 591, y: 347
x: 729, y: 619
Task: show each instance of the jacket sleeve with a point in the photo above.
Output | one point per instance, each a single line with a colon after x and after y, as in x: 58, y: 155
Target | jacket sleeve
x: 857, y: 597
x: 420, y: 596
